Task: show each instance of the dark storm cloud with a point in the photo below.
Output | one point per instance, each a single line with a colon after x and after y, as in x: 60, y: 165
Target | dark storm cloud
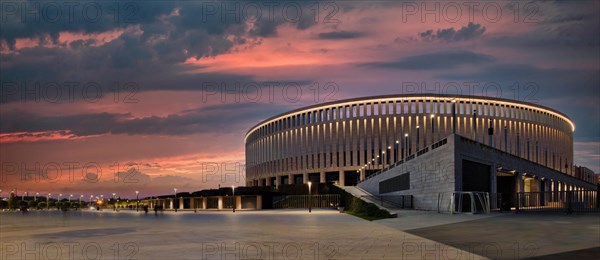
x: 573, y: 31
x: 149, y: 52
x: 340, y: 35
x: 571, y: 91
x: 435, y: 61
x: 468, y: 32
x: 214, y: 119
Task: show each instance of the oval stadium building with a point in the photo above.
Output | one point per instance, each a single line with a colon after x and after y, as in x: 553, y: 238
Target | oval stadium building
x: 346, y: 141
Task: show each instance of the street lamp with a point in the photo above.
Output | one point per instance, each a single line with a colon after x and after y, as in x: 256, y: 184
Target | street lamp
x: 432, y: 128
x: 309, y: 197
x: 233, y: 191
x: 396, y: 145
x: 418, y: 131
x: 114, y: 202
x: 453, y: 116
x: 405, y: 150
x: 34, y: 198
x: 48, y: 201
x: 175, y: 189
x: 59, y: 195
x: 80, y: 199
x: 137, y: 200
x: 70, y: 196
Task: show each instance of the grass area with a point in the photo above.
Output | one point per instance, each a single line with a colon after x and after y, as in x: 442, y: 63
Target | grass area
x: 366, y: 216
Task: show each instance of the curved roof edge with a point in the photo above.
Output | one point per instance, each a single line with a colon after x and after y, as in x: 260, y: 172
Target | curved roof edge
x: 435, y: 96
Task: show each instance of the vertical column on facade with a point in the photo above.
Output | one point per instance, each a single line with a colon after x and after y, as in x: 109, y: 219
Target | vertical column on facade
x: 554, y: 190
x: 539, y: 191
x: 322, y: 178
x: 548, y: 190
x: 290, y: 179
x: 171, y: 204
x: 305, y: 177
x: 204, y: 202
x: 342, y: 178
x: 521, y: 183
x: 220, y: 202
x: 277, y: 180
x: 192, y: 203
x: 494, y: 188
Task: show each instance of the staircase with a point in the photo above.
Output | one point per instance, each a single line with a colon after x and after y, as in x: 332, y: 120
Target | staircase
x: 388, y: 203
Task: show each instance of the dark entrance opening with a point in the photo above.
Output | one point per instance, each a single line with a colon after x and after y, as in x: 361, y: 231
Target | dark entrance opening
x: 351, y: 178
x: 332, y: 177
x: 273, y: 181
x: 298, y: 179
x: 212, y: 203
x: 285, y: 180
x: 506, y: 188
x: 475, y: 177
x: 248, y: 202
x: 314, y: 177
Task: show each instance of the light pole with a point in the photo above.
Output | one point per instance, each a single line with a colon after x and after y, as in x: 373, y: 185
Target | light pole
x: 309, y: 197
x: 48, y: 201
x: 505, y: 139
x: 405, y: 150
x: 137, y: 200
x: 454, y: 116
x: 432, y: 128
x: 490, y: 133
x: 474, y: 124
x: 396, y: 144
x: 175, y: 189
x: 70, y: 196
x: 80, y: 199
x: 233, y: 197
x: 114, y: 202
x: 34, y: 198
x: 417, y: 147
x: 59, y: 195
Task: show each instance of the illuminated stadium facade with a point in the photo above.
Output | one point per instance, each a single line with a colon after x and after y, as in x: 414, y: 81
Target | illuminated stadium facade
x: 434, y: 149
x: 347, y: 141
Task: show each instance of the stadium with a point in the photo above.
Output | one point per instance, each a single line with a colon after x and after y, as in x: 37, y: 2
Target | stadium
x: 417, y: 144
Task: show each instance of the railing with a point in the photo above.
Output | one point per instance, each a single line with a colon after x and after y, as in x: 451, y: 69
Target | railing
x: 464, y: 202
x: 408, y: 158
x: 567, y: 201
x: 391, y: 201
x: 302, y: 201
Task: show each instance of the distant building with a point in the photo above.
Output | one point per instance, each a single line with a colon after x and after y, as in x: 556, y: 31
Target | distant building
x: 585, y: 174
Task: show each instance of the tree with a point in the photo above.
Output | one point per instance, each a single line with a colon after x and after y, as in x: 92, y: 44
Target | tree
x: 32, y: 204
x: 41, y: 205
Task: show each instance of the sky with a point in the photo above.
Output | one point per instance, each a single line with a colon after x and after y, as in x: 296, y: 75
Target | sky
x: 101, y: 96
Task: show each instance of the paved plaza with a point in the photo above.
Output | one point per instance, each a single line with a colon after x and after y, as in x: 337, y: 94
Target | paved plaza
x: 291, y: 234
